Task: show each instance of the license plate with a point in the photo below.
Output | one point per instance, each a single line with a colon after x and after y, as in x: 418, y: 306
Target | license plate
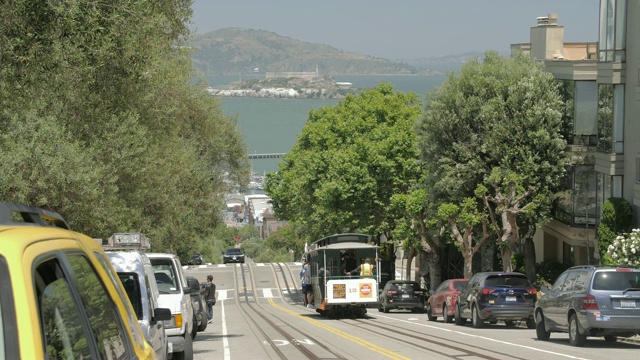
x: 169, y: 347
x: 511, y: 298
x: 405, y: 296
x: 627, y: 303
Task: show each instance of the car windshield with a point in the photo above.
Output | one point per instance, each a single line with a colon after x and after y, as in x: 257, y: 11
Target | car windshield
x: 507, y: 281
x: 165, y: 276
x: 459, y: 285
x: 616, y: 280
x: 404, y: 286
x: 234, y: 252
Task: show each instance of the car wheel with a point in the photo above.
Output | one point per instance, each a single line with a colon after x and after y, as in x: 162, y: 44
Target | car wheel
x: 380, y: 308
x: 187, y: 354
x: 541, y: 332
x: 510, y: 323
x: 610, y: 338
x: 194, y: 327
x: 531, y: 323
x: 203, y: 323
x: 430, y: 316
x: 445, y: 315
x: 459, y: 320
x: 475, y: 317
x: 575, y: 338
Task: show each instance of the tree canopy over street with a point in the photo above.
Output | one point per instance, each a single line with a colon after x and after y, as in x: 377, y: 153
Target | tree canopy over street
x: 491, y: 143
x: 101, y: 121
x: 348, y: 162
x: 484, y: 156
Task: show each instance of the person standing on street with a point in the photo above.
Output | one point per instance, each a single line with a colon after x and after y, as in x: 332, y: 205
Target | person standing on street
x: 210, y: 297
x: 307, y: 290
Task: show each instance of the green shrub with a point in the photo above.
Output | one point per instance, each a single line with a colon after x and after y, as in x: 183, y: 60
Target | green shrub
x: 548, y: 271
x: 617, y: 217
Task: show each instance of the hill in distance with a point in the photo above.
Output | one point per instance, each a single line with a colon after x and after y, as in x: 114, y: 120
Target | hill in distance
x: 233, y: 51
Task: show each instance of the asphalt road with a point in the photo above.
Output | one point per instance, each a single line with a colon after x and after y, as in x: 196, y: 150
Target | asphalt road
x: 259, y: 315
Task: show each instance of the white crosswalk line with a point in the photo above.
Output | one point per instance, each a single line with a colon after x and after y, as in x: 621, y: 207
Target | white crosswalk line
x: 267, y: 293
x: 222, y: 295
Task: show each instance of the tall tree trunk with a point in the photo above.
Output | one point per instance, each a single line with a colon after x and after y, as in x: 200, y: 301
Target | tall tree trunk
x: 435, y: 271
x: 467, y: 254
x: 530, y: 259
x: 412, y: 253
x: 506, y: 258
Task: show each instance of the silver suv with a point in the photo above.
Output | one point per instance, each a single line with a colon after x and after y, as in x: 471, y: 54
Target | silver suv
x: 136, y: 274
x: 175, y: 295
x: 591, y: 301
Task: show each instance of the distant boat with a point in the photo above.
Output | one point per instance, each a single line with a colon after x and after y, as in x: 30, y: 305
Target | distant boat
x: 344, y: 84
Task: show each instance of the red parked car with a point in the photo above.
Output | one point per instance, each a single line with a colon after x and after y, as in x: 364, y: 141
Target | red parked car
x: 442, y: 303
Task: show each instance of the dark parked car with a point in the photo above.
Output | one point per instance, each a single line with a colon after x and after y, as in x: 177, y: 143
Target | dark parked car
x: 233, y: 255
x: 401, y: 294
x: 196, y: 259
x: 591, y: 301
x: 199, y: 306
x: 496, y: 296
x: 442, y: 303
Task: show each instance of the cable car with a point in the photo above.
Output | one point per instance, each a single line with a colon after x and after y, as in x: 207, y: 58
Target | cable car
x: 343, y: 286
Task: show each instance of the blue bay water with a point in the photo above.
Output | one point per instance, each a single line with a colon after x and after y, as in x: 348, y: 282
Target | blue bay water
x: 272, y: 125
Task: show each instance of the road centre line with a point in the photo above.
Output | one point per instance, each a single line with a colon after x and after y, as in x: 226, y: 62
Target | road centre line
x: 225, y: 339
x: 485, y: 338
x: 366, y: 344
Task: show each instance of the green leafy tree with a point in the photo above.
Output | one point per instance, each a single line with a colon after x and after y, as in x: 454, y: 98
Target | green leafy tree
x: 125, y: 140
x: 493, y: 131
x: 348, y: 162
x: 617, y: 217
x: 463, y: 220
x: 285, y: 237
x: 421, y: 228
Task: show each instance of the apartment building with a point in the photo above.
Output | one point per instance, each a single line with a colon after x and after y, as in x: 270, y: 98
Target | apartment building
x: 600, y: 83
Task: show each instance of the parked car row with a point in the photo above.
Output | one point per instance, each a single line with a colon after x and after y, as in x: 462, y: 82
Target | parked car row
x: 60, y: 296
x: 584, y: 301
x: 89, y: 301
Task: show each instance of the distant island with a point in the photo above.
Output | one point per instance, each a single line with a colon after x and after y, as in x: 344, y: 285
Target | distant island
x: 290, y: 85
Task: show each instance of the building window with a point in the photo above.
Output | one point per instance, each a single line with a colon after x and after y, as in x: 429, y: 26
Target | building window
x: 567, y: 254
x: 612, y: 30
x: 567, y: 89
x: 605, y: 116
x: 576, y: 205
x: 611, y: 118
x: 607, y: 187
x: 585, y: 127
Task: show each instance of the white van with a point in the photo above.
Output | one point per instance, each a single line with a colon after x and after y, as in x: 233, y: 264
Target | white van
x: 175, y: 295
x: 136, y: 274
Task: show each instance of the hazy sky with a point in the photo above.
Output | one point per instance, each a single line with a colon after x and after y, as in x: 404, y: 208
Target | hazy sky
x: 395, y: 29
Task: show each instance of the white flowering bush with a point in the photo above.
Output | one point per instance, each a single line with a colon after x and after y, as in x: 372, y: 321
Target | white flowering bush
x: 625, y: 249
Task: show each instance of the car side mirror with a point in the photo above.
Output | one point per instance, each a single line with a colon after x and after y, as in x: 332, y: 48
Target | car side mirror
x: 545, y: 289
x: 160, y: 314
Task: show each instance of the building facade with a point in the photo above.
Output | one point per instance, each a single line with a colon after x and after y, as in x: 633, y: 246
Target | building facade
x: 601, y: 87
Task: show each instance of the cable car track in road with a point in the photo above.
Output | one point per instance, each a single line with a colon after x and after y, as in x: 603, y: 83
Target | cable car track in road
x: 388, y: 331
x: 258, y: 309
x: 286, y: 283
